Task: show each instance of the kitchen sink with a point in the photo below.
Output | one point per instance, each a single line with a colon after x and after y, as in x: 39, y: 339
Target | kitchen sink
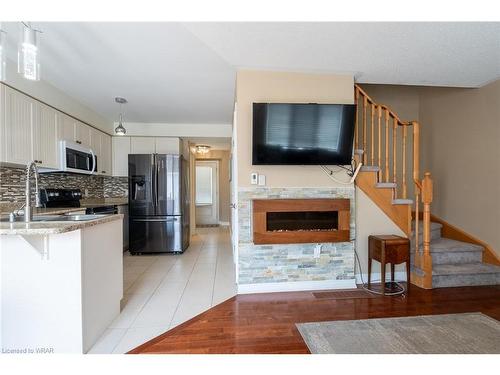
x: 59, y: 218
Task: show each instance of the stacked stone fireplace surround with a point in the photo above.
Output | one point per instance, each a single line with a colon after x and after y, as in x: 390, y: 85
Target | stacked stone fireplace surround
x: 286, y: 264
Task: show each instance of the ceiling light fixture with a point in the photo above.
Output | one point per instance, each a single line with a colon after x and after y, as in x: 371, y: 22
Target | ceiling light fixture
x: 120, y: 130
x: 3, y: 43
x: 202, y: 149
x: 28, y: 57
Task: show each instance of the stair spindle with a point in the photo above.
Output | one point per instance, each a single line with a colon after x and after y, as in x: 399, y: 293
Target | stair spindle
x: 394, y: 158
x: 404, y: 162
x: 365, y: 103
x: 386, y: 145
x: 372, y: 134
x: 379, y: 115
x: 356, y: 125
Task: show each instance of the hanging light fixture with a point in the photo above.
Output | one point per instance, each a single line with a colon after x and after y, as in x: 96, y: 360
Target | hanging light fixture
x: 28, y: 57
x: 202, y: 149
x: 120, y: 130
x: 3, y: 45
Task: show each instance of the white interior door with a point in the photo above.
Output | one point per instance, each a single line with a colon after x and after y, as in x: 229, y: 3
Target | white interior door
x: 207, y: 192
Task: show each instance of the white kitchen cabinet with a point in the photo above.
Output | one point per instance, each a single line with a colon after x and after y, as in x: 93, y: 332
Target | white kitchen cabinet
x: 95, y: 145
x: 142, y: 145
x: 82, y: 133
x: 65, y: 127
x: 121, y: 149
x: 16, y: 140
x: 167, y: 145
x: 105, y: 167
x: 44, y: 136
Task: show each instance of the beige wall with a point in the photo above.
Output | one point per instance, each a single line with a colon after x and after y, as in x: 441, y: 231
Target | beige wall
x: 461, y: 147
x: 403, y: 100
x: 259, y: 86
x: 370, y: 219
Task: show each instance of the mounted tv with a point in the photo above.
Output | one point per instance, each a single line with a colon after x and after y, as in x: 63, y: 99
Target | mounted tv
x: 302, y: 134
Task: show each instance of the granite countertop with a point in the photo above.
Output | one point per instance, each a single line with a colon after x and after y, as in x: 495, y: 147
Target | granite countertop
x: 6, y: 208
x: 52, y: 227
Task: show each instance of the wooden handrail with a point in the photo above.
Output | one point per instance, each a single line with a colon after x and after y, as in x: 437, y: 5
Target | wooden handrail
x: 422, y: 187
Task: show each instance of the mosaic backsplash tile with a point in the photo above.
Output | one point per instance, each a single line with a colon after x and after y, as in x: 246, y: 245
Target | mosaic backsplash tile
x: 12, y: 183
x: 291, y: 262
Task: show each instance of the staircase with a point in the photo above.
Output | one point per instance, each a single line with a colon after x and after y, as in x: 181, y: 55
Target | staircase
x: 456, y: 263
x: 389, y: 149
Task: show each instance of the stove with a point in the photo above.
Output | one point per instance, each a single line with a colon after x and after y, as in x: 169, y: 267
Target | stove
x: 62, y: 198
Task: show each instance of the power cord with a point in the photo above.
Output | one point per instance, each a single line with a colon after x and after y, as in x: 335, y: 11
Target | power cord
x: 365, y: 286
x: 352, y: 172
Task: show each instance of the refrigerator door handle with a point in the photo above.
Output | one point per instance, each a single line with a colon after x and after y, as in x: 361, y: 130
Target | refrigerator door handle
x: 154, y: 191
x: 157, y: 220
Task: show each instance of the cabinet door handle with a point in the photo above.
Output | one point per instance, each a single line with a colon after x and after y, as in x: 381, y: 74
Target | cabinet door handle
x: 103, y: 171
x: 79, y: 142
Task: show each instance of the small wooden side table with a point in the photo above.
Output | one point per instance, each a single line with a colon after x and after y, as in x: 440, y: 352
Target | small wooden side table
x: 388, y: 249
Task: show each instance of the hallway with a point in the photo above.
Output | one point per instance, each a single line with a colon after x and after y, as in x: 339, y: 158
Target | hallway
x: 163, y: 291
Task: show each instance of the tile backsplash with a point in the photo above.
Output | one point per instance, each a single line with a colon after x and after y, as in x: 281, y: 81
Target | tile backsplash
x: 12, y: 183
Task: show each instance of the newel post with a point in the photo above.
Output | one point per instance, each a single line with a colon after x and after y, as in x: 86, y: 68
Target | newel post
x: 427, y: 200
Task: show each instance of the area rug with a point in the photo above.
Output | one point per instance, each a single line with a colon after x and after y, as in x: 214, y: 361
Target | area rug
x: 472, y: 333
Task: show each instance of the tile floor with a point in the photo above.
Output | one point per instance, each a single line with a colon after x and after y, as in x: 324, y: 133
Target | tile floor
x: 162, y: 291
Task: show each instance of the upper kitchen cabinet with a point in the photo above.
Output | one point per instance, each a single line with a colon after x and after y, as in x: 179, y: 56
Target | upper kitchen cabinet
x: 142, y: 145
x: 100, y: 143
x: 167, y: 145
x: 121, y: 149
x: 95, y: 145
x: 65, y: 127
x: 45, y: 144
x: 105, y: 166
x: 16, y: 133
x: 82, y: 133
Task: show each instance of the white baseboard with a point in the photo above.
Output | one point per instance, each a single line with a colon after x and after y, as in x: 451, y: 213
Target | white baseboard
x: 398, y: 276
x: 224, y: 223
x: 295, y: 286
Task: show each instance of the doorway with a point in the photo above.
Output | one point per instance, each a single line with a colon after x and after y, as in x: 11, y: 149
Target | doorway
x: 207, y: 193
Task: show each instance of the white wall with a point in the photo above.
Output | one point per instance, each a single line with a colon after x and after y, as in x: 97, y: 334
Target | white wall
x: 177, y: 130
x: 45, y: 92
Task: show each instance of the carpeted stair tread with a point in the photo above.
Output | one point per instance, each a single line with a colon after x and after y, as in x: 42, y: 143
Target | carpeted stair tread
x: 447, y: 244
x: 402, y: 201
x: 434, y: 226
x: 370, y: 168
x: 465, y: 269
x: 385, y: 185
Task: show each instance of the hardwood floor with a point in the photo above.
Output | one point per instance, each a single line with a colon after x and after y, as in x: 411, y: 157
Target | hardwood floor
x: 265, y: 323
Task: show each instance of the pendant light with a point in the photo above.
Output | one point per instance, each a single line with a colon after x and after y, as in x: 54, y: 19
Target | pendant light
x: 120, y: 130
x: 3, y: 45
x: 28, y: 57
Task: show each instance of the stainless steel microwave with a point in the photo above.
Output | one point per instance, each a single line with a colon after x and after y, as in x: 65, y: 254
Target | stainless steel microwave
x: 77, y: 158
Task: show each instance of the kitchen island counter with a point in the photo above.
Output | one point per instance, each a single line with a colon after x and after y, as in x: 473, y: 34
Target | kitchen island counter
x: 61, y: 283
x: 36, y: 228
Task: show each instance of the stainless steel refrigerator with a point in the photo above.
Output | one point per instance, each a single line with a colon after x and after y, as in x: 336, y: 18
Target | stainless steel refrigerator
x: 158, y: 203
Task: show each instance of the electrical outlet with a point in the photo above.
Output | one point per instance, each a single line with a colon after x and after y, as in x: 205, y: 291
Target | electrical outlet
x: 317, y: 250
x: 254, y: 177
x: 86, y: 193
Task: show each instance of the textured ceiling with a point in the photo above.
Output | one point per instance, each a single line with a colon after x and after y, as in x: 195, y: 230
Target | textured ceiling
x: 185, y: 72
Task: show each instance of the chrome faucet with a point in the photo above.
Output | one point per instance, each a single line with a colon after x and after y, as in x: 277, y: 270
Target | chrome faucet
x: 28, y: 214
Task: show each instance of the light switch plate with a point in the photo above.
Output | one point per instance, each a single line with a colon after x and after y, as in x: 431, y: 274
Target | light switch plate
x: 262, y: 180
x: 254, y: 178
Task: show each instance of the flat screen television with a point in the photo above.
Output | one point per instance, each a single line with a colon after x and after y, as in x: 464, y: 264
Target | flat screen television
x: 302, y: 134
